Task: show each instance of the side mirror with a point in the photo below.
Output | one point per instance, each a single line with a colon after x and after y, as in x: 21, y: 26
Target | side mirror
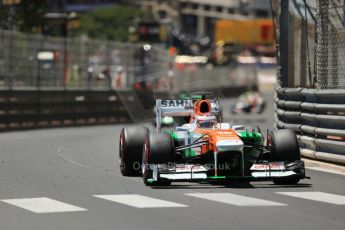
x: 223, y: 126
x: 238, y: 127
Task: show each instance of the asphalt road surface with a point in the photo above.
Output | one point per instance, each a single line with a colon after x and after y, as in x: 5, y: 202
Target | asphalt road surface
x: 69, y: 178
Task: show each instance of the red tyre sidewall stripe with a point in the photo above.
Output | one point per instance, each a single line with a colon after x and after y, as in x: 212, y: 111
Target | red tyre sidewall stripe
x: 122, y: 143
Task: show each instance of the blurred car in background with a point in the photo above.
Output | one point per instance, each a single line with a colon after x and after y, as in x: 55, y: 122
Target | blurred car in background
x: 249, y: 102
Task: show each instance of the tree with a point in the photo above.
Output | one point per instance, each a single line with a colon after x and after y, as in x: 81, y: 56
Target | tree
x: 28, y: 15
x: 110, y: 23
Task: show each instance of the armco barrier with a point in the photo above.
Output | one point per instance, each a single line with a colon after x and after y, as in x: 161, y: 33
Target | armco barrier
x: 317, y: 117
x: 29, y: 108
x: 20, y: 109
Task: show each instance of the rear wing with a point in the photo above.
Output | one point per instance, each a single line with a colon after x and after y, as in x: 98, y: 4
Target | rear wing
x: 179, y: 108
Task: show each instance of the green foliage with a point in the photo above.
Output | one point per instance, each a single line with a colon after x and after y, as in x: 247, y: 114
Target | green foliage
x: 28, y: 15
x: 110, y: 23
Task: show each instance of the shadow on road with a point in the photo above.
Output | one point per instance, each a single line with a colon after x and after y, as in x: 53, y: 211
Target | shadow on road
x: 232, y: 185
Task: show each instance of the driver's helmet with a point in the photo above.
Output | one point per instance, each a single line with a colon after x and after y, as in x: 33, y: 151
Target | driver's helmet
x: 206, y: 121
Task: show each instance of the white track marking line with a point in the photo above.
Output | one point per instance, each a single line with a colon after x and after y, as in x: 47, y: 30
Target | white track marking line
x: 43, y: 205
x: 233, y: 199
x: 67, y: 159
x: 140, y: 201
x: 73, y: 162
x: 324, y: 170
x: 317, y: 196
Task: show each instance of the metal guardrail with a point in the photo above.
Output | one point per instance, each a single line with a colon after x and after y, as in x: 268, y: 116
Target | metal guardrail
x: 317, y: 117
x: 31, y: 107
x: 26, y: 109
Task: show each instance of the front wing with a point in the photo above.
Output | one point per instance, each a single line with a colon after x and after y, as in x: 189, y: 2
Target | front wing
x: 258, y: 172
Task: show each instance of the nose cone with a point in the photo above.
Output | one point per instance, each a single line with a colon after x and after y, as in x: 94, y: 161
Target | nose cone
x: 229, y: 145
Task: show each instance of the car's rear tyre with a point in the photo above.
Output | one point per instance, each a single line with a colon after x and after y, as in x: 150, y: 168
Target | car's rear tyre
x: 158, y: 149
x: 285, y: 148
x: 130, y: 151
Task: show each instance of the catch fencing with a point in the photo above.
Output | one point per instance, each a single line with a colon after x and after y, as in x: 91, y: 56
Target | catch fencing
x: 34, y: 60
x: 37, y: 61
x: 316, y: 43
x: 330, y: 45
x: 312, y: 101
x: 53, y: 81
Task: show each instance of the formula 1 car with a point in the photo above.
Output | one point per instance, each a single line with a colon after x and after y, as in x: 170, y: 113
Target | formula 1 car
x: 205, y: 149
x: 249, y: 102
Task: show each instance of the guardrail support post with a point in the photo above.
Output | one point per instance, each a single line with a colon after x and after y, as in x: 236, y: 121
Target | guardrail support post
x: 284, y: 43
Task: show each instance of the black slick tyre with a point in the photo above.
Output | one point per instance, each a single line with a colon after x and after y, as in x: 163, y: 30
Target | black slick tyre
x: 158, y: 149
x: 285, y: 148
x: 130, y: 150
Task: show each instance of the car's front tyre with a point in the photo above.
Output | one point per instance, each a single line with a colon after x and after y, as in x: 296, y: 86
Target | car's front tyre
x: 285, y: 148
x: 158, y: 149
